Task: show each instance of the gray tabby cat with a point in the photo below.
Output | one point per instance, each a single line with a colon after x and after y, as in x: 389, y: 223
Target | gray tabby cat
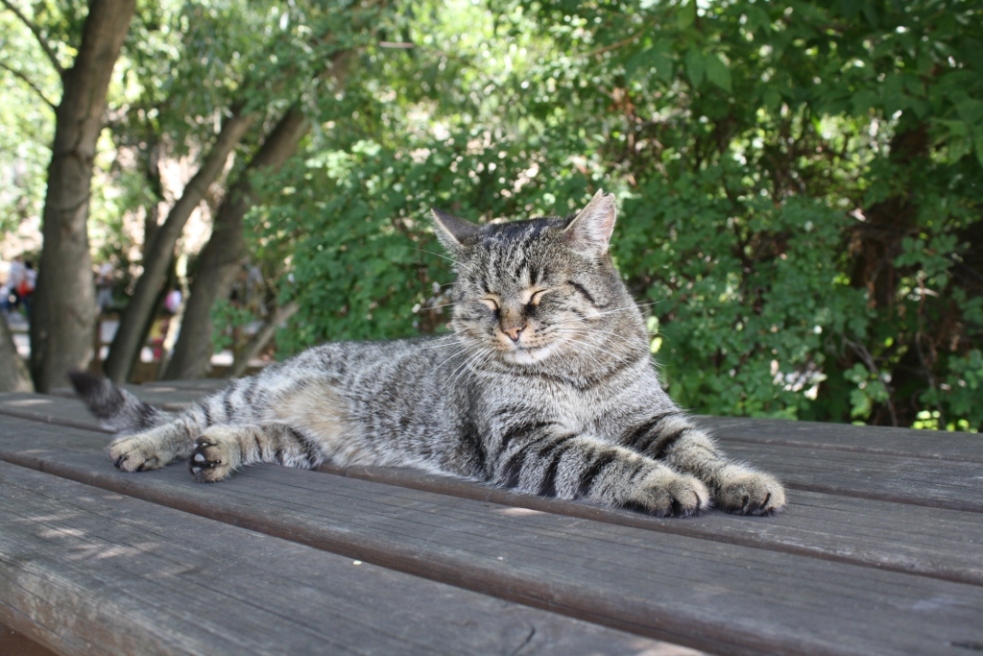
x: 544, y: 387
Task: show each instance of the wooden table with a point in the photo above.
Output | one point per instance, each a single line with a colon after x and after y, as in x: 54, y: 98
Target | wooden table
x: 880, y: 552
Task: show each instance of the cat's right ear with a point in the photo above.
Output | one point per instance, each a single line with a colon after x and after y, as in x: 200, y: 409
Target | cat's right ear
x: 454, y: 233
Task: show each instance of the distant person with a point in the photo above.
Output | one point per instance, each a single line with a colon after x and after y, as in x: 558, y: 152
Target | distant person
x: 26, y: 288
x: 104, y: 287
x: 15, y: 281
x: 173, y: 301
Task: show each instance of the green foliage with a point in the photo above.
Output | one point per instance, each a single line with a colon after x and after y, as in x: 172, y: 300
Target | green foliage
x: 800, y: 182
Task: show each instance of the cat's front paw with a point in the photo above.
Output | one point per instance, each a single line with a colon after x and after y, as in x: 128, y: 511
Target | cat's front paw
x: 215, y: 456
x: 133, y: 453
x: 751, y: 493
x: 668, y: 494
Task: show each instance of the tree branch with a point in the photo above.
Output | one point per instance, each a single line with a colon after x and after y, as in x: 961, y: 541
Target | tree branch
x: 614, y: 46
x: 28, y: 82
x: 36, y: 31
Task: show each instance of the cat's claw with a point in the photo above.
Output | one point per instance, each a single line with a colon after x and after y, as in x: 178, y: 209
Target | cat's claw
x: 211, y: 460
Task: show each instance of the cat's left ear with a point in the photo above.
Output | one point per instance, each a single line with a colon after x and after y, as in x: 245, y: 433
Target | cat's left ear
x: 592, y: 227
x: 454, y: 233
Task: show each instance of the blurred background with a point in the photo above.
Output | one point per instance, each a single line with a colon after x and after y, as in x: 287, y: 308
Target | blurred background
x: 195, y: 189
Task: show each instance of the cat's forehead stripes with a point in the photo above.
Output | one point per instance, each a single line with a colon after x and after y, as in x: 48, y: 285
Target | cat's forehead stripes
x: 510, y: 257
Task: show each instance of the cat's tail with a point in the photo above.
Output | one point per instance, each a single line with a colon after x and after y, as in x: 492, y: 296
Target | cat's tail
x: 115, y: 408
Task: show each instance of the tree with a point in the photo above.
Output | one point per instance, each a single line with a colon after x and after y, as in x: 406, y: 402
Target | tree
x: 63, y: 314
x: 14, y: 376
x: 224, y: 254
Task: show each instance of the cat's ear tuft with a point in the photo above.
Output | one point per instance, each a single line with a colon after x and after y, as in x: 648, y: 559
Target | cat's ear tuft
x: 454, y: 233
x: 592, y: 227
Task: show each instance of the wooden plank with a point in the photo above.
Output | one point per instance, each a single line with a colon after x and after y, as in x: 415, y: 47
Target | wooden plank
x: 941, y: 543
x: 939, y: 445
x: 48, y: 409
x: 918, y: 481
x: 707, y: 594
x: 91, y: 571
x: 942, y: 445
x: 929, y: 482
x: 172, y: 395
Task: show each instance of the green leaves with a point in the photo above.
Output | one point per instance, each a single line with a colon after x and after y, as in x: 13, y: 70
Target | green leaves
x: 695, y: 67
x: 800, y: 183
x: 718, y: 72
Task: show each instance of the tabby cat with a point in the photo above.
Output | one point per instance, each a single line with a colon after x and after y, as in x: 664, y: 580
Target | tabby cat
x: 545, y: 387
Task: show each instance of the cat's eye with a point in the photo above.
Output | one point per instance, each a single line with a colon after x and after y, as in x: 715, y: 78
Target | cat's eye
x: 536, y: 296
x: 491, y: 302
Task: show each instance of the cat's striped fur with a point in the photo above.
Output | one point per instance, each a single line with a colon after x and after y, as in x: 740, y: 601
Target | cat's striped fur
x: 546, y: 387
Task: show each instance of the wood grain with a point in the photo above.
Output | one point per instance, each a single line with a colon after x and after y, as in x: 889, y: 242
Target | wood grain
x: 93, y: 572
x: 698, y: 592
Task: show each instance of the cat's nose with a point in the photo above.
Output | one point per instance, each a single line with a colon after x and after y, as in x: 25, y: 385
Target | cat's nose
x: 513, y: 332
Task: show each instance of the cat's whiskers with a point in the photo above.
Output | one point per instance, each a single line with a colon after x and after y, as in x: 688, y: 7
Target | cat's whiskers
x: 445, y: 341
x: 588, y: 340
x: 453, y: 355
x: 591, y: 357
x: 446, y: 257
x: 481, y: 354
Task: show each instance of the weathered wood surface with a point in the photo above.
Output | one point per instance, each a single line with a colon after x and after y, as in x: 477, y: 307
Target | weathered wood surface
x: 694, y: 590
x: 958, y: 447
x: 931, y: 482
x: 883, y: 541
x: 102, y: 573
x: 853, y: 528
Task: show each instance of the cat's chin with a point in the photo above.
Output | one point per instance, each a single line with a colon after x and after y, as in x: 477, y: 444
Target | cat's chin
x: 528, y: 356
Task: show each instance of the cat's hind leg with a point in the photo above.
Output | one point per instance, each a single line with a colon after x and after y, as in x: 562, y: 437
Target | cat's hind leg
x: 221, y: 450
x: 673, y: 439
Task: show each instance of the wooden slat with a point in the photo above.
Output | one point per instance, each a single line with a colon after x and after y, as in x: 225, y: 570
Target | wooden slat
x: 937, y: 542
x: 92, y: 572
x: 708, y: 594
x: 48, y: 409
x: 919, y: 481
x: 930, y: 482
x: 942, y: 445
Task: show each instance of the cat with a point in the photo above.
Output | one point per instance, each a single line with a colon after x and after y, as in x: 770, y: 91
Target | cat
x: 545, y: 387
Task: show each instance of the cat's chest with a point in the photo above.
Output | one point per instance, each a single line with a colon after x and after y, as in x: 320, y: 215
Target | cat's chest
x: 576, y: 410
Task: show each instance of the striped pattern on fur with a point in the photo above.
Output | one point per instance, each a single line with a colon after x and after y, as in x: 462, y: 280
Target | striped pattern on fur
x: 545, y: 386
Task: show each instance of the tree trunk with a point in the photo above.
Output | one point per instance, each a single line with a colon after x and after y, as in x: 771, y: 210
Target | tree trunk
x: 225, y: 251
x: 14, y: 376
x: 139, y: 312
x: 64, y: 308
x: 261, y: 338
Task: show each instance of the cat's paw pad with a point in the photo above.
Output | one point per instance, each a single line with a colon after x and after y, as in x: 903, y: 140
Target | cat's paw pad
x: 212, y: 460
x: 133, y: 453
x: 751, y: 493
x: 671, y: 496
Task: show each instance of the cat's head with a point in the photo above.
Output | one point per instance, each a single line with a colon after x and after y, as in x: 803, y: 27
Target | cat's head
x: 541, y: 292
